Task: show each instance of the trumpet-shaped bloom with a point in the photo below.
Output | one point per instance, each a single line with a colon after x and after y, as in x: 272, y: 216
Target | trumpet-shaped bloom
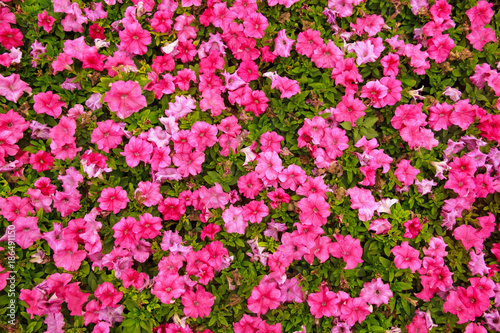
x: 314, y: 210
x: 282, y: 44
x: 49, y: 103
x: 125, y: 98
x: 113, y: 199
x: 137, y: 150
x: 108, y: 135
x: 264, y: 297
x: 198, y: 304
x: 324, y: 303
x: 406, y: 257
x: 134, y: 39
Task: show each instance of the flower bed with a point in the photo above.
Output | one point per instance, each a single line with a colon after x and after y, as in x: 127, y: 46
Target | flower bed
x: 276, y: 166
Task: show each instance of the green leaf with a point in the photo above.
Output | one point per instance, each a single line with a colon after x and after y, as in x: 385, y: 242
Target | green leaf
x: 400, y: 286
x: 346, y: 125
x: 385, y: 262
x: 370, y: 121
x: 128, y: 322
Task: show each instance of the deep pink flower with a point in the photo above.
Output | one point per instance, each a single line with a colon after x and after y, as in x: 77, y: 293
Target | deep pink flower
x: 49, y: 103
x: 255, y: 25
x: 113, y: 199
x: 250, y: 185
x: 108, y: 295
x: 172, y: 208
x: 108, y: 135
x: 46, y: 21
x: 134, y: 39
x: 349, y: 249
x: 455, y: 304
x: 406, y: 257
x: 125, y: 98
x: 480, y: 14
x: 198, y: 304
x: 36, y: 301
x: 308, y: 41
x: 355, y: 310
x: 9, y: 37
x: 405, y: 173
x: 480, y: 36
x: 189, y: 163
x: 41, y: 161
x: 131, y: 277
x: 67, y: 203
x: 327, y: 55
x: 376, y: 92
x: 69, y: 257
x: 265, y: 297
x: 413, y: 228
x: 137, y: 150
x: 26, y: 231
x: 440, y: 47
x: 349, y: 109
x: 124, y: 234
x: 314, y: 210
x: 324, y: 303
x: 255, y: 211
x: 390, y: 63
x: 161, y: 21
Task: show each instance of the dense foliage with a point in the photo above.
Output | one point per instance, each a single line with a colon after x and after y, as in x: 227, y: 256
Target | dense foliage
x: 269, y: 166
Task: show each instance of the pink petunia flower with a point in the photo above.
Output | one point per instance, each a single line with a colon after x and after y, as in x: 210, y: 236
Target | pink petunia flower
x: 113, y: 199
x: 134, y: 39
x: 12, y: 87
x: 349, y: 249
x: 46, y: 21
x: 406, y: 257
x: 314, y: 210
x: 405, y: 173
x: 198, y: 304
x: 282, y: 44
x: 107, y: 135
x: 324, y: 303
x: 255, y: 25
x: 49, y: 103
x: 108, y: 295
x: 137, y: 150
x: 125, y: 98
x: 265, y: 297
x: 376, y: 292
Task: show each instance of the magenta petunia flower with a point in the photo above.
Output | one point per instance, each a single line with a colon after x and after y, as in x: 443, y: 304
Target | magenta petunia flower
x: 125, y: 98
x: 113, y: 199
x: 134, y: 39
x: 108, y: 295
x: 26, y: 231
x: 405, y: 173
x: 324, y: 303
x: 198, y: 304
x: 137, y: 150
x: 264, y: 297
x: 49, y: 103
x: 255, y: 25
x: 406, y: 257
x: 107, y: 135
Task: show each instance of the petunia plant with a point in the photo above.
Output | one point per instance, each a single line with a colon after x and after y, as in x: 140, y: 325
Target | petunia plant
x: 249, y: 166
